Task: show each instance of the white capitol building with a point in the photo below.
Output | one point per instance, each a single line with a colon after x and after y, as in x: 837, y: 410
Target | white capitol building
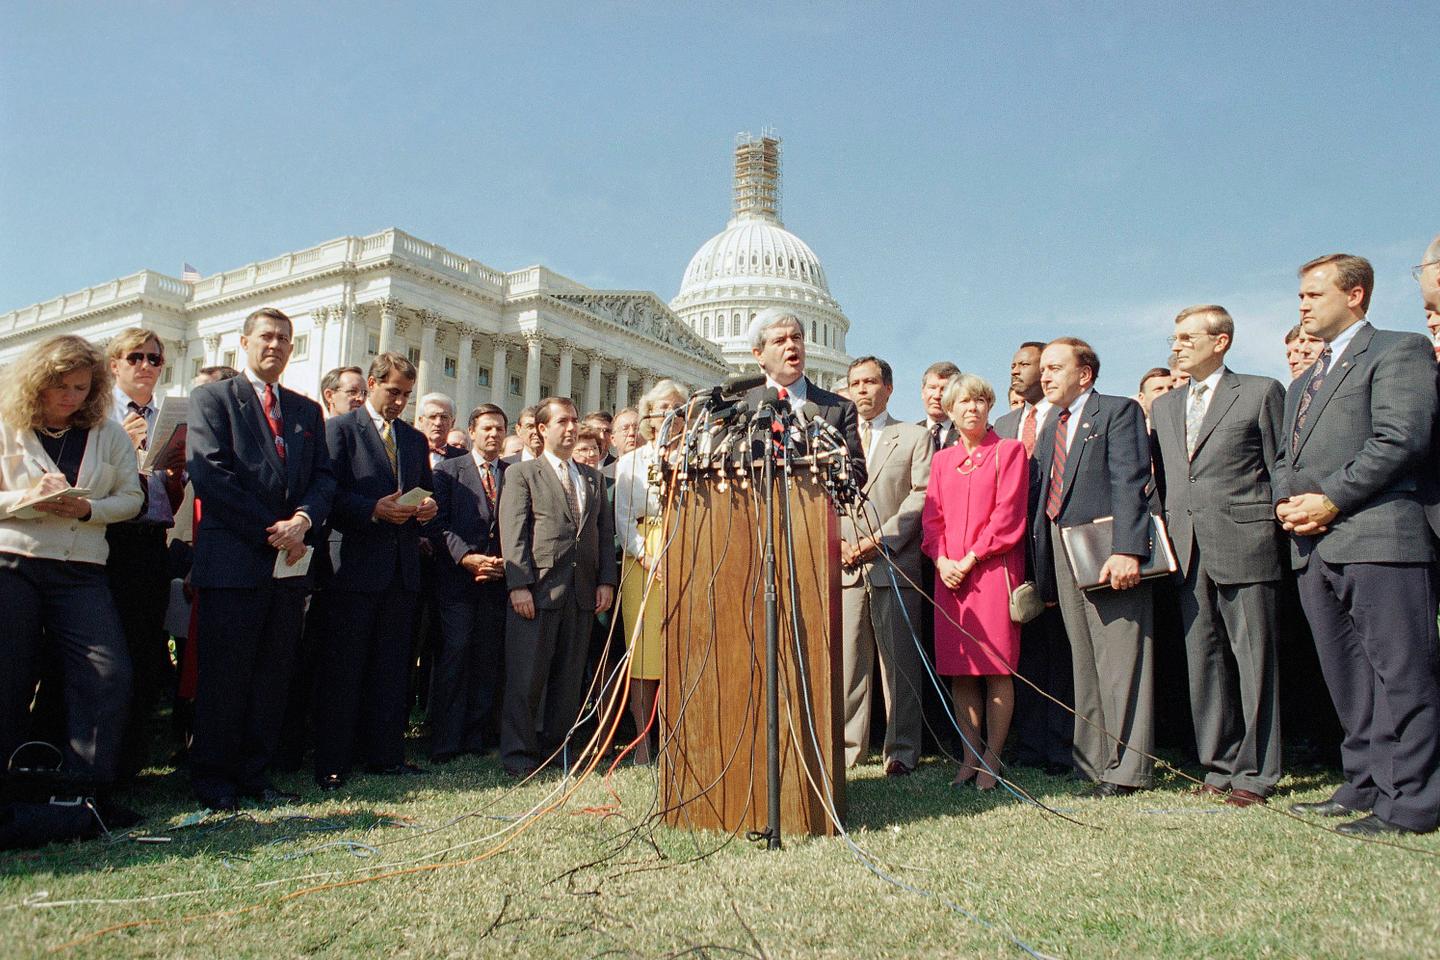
x: 476, y: 333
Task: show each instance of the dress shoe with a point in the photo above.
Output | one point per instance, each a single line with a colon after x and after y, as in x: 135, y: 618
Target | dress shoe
x: 1207, y: 790
x: 219, y: 801
x: 1245, y: 798
x: 444, y: 756
x: 1371, y: 826
x: 273, y: 795
x: 1059, y: 769
x: 404, y: 769
x: 116, y: 816
x: 330, y: 782
x: 1105, y: 789
x: 1325, y: 808
x: 897, y: 768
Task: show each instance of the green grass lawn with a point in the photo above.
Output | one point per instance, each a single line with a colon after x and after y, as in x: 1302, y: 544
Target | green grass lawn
x: 1157, y: 874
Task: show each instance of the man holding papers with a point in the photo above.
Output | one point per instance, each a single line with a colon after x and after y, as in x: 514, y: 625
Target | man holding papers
x: 382, y: 500
x: 258, y: 462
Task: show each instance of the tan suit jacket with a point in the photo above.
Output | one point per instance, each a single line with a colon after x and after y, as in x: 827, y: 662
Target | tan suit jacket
x: 897, y: 473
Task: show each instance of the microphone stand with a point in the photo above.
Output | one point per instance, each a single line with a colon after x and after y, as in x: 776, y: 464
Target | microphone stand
x: 771, y: 836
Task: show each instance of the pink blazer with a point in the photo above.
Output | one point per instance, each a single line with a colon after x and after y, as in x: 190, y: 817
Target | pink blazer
x: 969, y: 505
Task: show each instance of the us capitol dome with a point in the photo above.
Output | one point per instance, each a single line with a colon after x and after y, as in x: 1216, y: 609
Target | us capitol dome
x: 756, y: 263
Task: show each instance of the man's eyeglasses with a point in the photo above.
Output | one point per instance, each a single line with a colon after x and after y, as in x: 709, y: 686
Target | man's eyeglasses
x: 1419, y: 268
x: 1185, y: 339
x: 154, y: 359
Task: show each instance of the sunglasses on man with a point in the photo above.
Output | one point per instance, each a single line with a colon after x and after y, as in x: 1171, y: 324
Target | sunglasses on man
x: 154, y: 359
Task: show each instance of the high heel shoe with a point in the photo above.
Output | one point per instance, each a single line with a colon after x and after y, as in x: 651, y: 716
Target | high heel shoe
x: 962, y: 779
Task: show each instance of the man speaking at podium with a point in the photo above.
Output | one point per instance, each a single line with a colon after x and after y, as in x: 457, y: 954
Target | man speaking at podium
x: 777, y: 339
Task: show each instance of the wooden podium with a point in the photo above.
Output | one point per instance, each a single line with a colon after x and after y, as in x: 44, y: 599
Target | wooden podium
x: 712, y: 696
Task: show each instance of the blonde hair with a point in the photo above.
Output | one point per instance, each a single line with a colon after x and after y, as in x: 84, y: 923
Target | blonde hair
x: 966, y: 386
x: 131, y: 339
x: 43, y: 366
x: 665, y: 388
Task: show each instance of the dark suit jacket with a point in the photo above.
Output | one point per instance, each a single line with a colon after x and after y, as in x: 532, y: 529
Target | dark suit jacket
x: 465, y: 524
x: 1221, y: 500
x: 244, y: 484
x: 1107, y: 468
x: 557, y: 555
x: 1366, y: 446
x: 372, y: 553
x: 949, y: 436
x: 836, y: 411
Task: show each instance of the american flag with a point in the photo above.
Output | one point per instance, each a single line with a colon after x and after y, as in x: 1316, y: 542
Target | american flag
x: 189, y: 274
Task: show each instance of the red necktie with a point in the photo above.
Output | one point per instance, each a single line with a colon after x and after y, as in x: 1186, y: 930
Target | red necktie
x: 1027, y: 433
x: 775, y: 427
x: 272, y: 417
x: 1057, y: 464
x: 487, y: 480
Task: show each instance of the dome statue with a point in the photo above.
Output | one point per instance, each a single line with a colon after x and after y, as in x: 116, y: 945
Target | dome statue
x: 755, y: 263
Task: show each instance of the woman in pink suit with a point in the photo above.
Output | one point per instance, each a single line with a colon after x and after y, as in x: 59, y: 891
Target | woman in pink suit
x: 974, y: 523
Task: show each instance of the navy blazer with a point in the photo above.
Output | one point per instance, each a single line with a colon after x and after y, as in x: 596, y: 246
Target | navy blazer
x: 1107, y: 471
x: 373, y: 552
x: 243, y: 484
x: 836, y: 411
x: 465, y: 524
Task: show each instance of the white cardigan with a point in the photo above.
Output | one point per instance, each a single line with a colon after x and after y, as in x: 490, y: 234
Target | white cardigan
x: 109, y: 470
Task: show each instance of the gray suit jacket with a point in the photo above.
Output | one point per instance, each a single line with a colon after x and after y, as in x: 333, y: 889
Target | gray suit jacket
x: 545, y: 546
x: 1365, y: 445
x: 897, y: 475
x: 1221, y: 501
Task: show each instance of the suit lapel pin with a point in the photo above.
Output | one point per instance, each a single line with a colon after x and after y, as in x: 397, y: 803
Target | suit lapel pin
x: 1084, y: 426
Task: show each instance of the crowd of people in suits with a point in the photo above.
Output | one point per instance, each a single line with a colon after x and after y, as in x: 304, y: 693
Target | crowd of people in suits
x: 343, y: 566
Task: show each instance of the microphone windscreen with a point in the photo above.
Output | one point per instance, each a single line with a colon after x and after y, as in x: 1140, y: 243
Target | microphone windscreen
x: 772, y: 397
x: 810, y: 410
x: 741, y: 383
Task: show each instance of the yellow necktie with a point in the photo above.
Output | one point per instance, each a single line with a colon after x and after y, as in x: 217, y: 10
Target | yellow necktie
x: 387, y: 434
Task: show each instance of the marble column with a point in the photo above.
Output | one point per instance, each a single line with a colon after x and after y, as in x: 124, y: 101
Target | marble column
x: 212, y: 350
x: 429, y: 326
x: 593, y: 383
x: 567, y: 369
x: 622, y: 387
x: 389, y: 313
x: 500, y: 375
x: 465, y: 375
x: 647, y: 383
x: 534, y: 345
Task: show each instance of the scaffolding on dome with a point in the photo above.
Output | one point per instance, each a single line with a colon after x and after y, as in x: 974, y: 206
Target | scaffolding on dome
x: 757, y: 176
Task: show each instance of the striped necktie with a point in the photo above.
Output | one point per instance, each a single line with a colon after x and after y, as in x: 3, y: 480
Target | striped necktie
x: 271, y: 404
x: 1027, y: 432
x: 1057, y: 464
x: 387, y: 435
x: 487, y: 481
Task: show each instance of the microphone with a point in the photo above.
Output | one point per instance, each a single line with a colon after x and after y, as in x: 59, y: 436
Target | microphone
x: 738, y: 383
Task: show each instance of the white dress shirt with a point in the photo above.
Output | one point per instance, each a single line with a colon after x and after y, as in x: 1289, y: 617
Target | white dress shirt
x: 798, y: 392
x: 1338, y: 345
x: 1210, y: 383
x: 1076, y: 409
x: 877, y: 424
x: 157, y: 498
x: 576, y: 482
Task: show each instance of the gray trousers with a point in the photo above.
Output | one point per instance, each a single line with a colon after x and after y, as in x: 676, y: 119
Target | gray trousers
x: 1230, y: 632
x: 544, y: 659
x: 1111, y: 645
x: 876, y: 618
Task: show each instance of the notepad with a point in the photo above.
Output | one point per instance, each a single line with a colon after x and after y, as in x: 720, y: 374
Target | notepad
x: 284, y: 570
x: 30, y: 501
x: 412, y: 497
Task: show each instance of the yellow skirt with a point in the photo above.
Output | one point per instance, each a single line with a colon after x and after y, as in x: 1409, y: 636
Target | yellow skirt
x: 649, y: 655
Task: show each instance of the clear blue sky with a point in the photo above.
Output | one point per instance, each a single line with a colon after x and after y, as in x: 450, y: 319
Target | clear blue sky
x: 969, y: 177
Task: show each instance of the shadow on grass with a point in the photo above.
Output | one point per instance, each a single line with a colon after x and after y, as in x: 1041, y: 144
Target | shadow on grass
x: 345, y: 827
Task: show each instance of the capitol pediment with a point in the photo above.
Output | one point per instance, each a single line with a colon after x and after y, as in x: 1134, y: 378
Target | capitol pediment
x: 642, y: 313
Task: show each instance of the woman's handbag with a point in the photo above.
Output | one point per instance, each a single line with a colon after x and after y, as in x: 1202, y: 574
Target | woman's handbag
x: 1025, y: 602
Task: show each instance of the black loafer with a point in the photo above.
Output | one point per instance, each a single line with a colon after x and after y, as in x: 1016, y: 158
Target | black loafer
x: 330, y: 782
x: 1371, y: 826
x: 220, y: 801
x: 273, y: 795
x: 1105, y: 789
x: 1325, y: 808
x: 398, y: 770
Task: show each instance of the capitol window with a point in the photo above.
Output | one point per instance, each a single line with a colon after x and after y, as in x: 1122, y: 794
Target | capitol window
x: 515, y: 386
x: 301, y: 347
x: 482, y: 377
x: 414, y: 354
x: 372, y: 345
x: 451, y: 365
